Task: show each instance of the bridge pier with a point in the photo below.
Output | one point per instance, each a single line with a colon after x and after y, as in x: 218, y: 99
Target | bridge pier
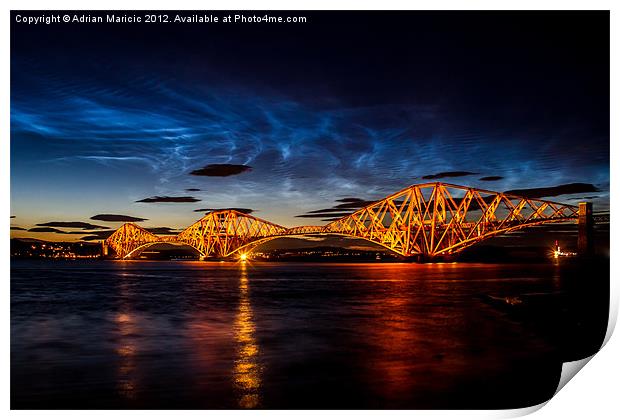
x: 431, y: 259
x: 585, y: 241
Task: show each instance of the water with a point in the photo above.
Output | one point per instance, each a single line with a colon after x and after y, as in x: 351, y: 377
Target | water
x: 106, y: 334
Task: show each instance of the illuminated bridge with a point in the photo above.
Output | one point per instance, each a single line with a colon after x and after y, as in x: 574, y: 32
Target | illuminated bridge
x: 427, y: 220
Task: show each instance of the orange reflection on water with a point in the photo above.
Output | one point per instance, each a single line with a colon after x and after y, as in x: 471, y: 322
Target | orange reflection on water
x: 392, y: 328
x: 126, y: 347
x: 422, y: 330
x: 246, y: 370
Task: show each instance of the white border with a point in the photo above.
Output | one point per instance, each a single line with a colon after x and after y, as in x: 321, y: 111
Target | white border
x: 592, y: 394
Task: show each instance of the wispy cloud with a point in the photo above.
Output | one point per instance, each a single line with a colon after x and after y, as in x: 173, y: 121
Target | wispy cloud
x: 299, y: 153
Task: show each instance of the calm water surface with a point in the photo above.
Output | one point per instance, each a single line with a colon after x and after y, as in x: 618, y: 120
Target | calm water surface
x: 109, y: 334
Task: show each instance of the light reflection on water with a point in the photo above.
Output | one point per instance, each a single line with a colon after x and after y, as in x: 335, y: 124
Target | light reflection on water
x: 260, y: 335
x: 126, y: 344
x: 247, y: 369
x: 126, y: 350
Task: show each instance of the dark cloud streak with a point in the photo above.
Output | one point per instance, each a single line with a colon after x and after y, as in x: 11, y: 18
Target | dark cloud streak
x: 565, y: 189
x: 77, y: 225
x: 221, y: 169
x: 117, y: 218
x: 320, y: 215
x: 163, y: 230
x: 347, y: 206
x: 168, y: 199
x: 239, y: 209
x: 450, y: 174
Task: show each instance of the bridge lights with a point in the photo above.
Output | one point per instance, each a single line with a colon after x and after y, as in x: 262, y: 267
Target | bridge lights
x: 243, y: 257
x: 438, y: 219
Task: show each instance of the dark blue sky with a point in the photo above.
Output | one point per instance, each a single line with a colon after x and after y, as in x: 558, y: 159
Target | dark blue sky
x: 350, y: 104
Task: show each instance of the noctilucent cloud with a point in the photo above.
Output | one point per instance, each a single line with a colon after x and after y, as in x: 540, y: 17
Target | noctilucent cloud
x: 157, y: 121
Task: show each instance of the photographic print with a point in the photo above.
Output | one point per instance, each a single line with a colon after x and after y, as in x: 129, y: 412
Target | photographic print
x: 306, y: 209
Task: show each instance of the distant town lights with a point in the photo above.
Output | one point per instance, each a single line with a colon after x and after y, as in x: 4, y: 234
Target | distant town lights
x: 557, y: 252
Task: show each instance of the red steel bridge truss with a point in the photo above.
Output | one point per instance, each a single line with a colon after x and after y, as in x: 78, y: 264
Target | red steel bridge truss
x: 429, y: 220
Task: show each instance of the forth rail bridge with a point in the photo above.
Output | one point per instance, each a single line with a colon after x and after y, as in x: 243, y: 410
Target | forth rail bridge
x: 425, y: 221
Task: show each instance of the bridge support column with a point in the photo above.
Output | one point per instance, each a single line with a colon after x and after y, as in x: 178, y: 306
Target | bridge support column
x: 585, y: 242
x: 104, y: 249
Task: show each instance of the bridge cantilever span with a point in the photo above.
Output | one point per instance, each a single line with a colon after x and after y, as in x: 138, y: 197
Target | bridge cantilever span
x: 432, y: 219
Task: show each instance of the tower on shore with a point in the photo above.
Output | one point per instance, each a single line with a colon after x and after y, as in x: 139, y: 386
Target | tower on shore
x: 585, y: 242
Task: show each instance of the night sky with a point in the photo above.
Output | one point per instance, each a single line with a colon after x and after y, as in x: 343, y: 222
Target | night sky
x: 155, y: 121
